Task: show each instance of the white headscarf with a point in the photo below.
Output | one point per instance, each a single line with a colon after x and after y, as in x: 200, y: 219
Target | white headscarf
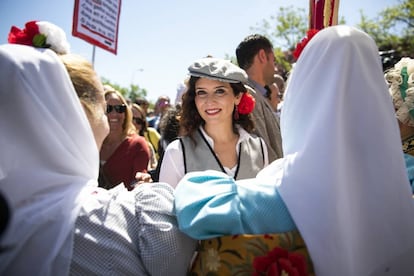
x: 48, y: 155
x: 344, y: 178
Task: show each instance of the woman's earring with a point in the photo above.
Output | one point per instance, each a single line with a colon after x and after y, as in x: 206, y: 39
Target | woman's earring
x: 236, y: 112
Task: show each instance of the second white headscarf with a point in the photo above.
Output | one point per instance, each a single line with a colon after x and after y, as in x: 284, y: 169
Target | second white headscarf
x: 344, y: 180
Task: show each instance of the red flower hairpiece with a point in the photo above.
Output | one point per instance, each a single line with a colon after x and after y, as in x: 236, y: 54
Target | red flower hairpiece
x: 40, y: 34
x: 247, y: 103
x: 25, y: 36
x: 302, y: 44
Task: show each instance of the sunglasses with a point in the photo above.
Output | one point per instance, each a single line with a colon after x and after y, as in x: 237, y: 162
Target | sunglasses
x: 142, y: 103
x: 138, y: 121
x: 118, y: 108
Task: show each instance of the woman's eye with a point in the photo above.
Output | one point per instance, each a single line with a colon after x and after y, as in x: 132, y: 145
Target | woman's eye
x: 220, y: 92
x: 201, y: 93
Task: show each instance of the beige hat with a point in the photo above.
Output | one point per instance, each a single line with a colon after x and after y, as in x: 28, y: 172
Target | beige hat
x: 217, y: 69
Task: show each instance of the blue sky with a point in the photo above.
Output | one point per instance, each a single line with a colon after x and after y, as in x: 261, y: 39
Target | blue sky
x: 158, y: 40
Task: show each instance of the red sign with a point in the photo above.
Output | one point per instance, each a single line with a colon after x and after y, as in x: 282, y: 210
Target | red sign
x: 97, y: 22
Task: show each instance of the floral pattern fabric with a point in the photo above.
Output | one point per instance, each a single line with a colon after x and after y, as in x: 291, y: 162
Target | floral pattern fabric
x: 266, y: 254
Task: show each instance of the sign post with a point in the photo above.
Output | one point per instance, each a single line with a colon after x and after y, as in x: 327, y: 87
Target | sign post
x: 97, y: 22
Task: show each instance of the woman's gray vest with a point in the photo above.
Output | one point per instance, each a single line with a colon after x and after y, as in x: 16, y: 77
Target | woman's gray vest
x: 199, y: 156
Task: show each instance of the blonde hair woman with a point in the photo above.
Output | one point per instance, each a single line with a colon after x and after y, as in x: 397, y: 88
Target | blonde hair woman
x: 124, y: 152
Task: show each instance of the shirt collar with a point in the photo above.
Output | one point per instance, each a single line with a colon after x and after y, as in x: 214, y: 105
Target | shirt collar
x: 257, y: 86
x: 243, y: 135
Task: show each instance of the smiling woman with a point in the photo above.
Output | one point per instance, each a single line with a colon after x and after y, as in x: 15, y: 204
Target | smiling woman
x: 124, y: 152
x: 215, y: 122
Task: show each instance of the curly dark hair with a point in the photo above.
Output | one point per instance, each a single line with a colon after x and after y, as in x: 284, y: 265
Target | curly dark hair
x: 170, y: 124
x: 191, y: 119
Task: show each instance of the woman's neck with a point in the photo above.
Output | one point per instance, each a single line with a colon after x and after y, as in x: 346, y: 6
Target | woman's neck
x: 220, y: 134
x: 114, y: 138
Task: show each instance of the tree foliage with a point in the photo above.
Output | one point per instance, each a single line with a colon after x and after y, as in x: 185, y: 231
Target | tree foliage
x: 131, y: 93
x: 401, y: 15
x: 392, y: 29
x: 286, y: 28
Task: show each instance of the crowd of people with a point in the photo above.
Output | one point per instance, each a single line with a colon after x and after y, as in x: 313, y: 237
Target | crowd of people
x: 249, y: 173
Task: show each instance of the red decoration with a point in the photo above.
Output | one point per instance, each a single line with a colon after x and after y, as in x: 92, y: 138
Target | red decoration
x: 323, y: 13
x: 301, y: 45
x: 246, y: 104
x: 40, y: 34
x: 280, y: 262
x: 25, y: 36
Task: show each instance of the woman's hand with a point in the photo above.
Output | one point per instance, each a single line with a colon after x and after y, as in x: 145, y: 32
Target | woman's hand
x: 141, y: 178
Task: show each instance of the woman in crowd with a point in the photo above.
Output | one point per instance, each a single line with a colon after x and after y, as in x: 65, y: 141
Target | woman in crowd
x: 61, y: 222
x: 140, y: 123
x: 342, y: 179
x: 215, y: 123
x: 143, y: 103
x: 124, y: 152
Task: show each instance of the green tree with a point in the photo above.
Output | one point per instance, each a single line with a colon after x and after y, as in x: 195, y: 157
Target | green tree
x: 286, y: 28
x: 135, y: 92
x: 392, y: 29
x: 131, y: 93
x: 401, y: 15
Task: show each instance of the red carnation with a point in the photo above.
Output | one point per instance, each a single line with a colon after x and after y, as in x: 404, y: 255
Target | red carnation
x: 25, y: 36
x: 246, y: 104
x: 279, y: 261
x: 40, y: 34
x: 302, y: 44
